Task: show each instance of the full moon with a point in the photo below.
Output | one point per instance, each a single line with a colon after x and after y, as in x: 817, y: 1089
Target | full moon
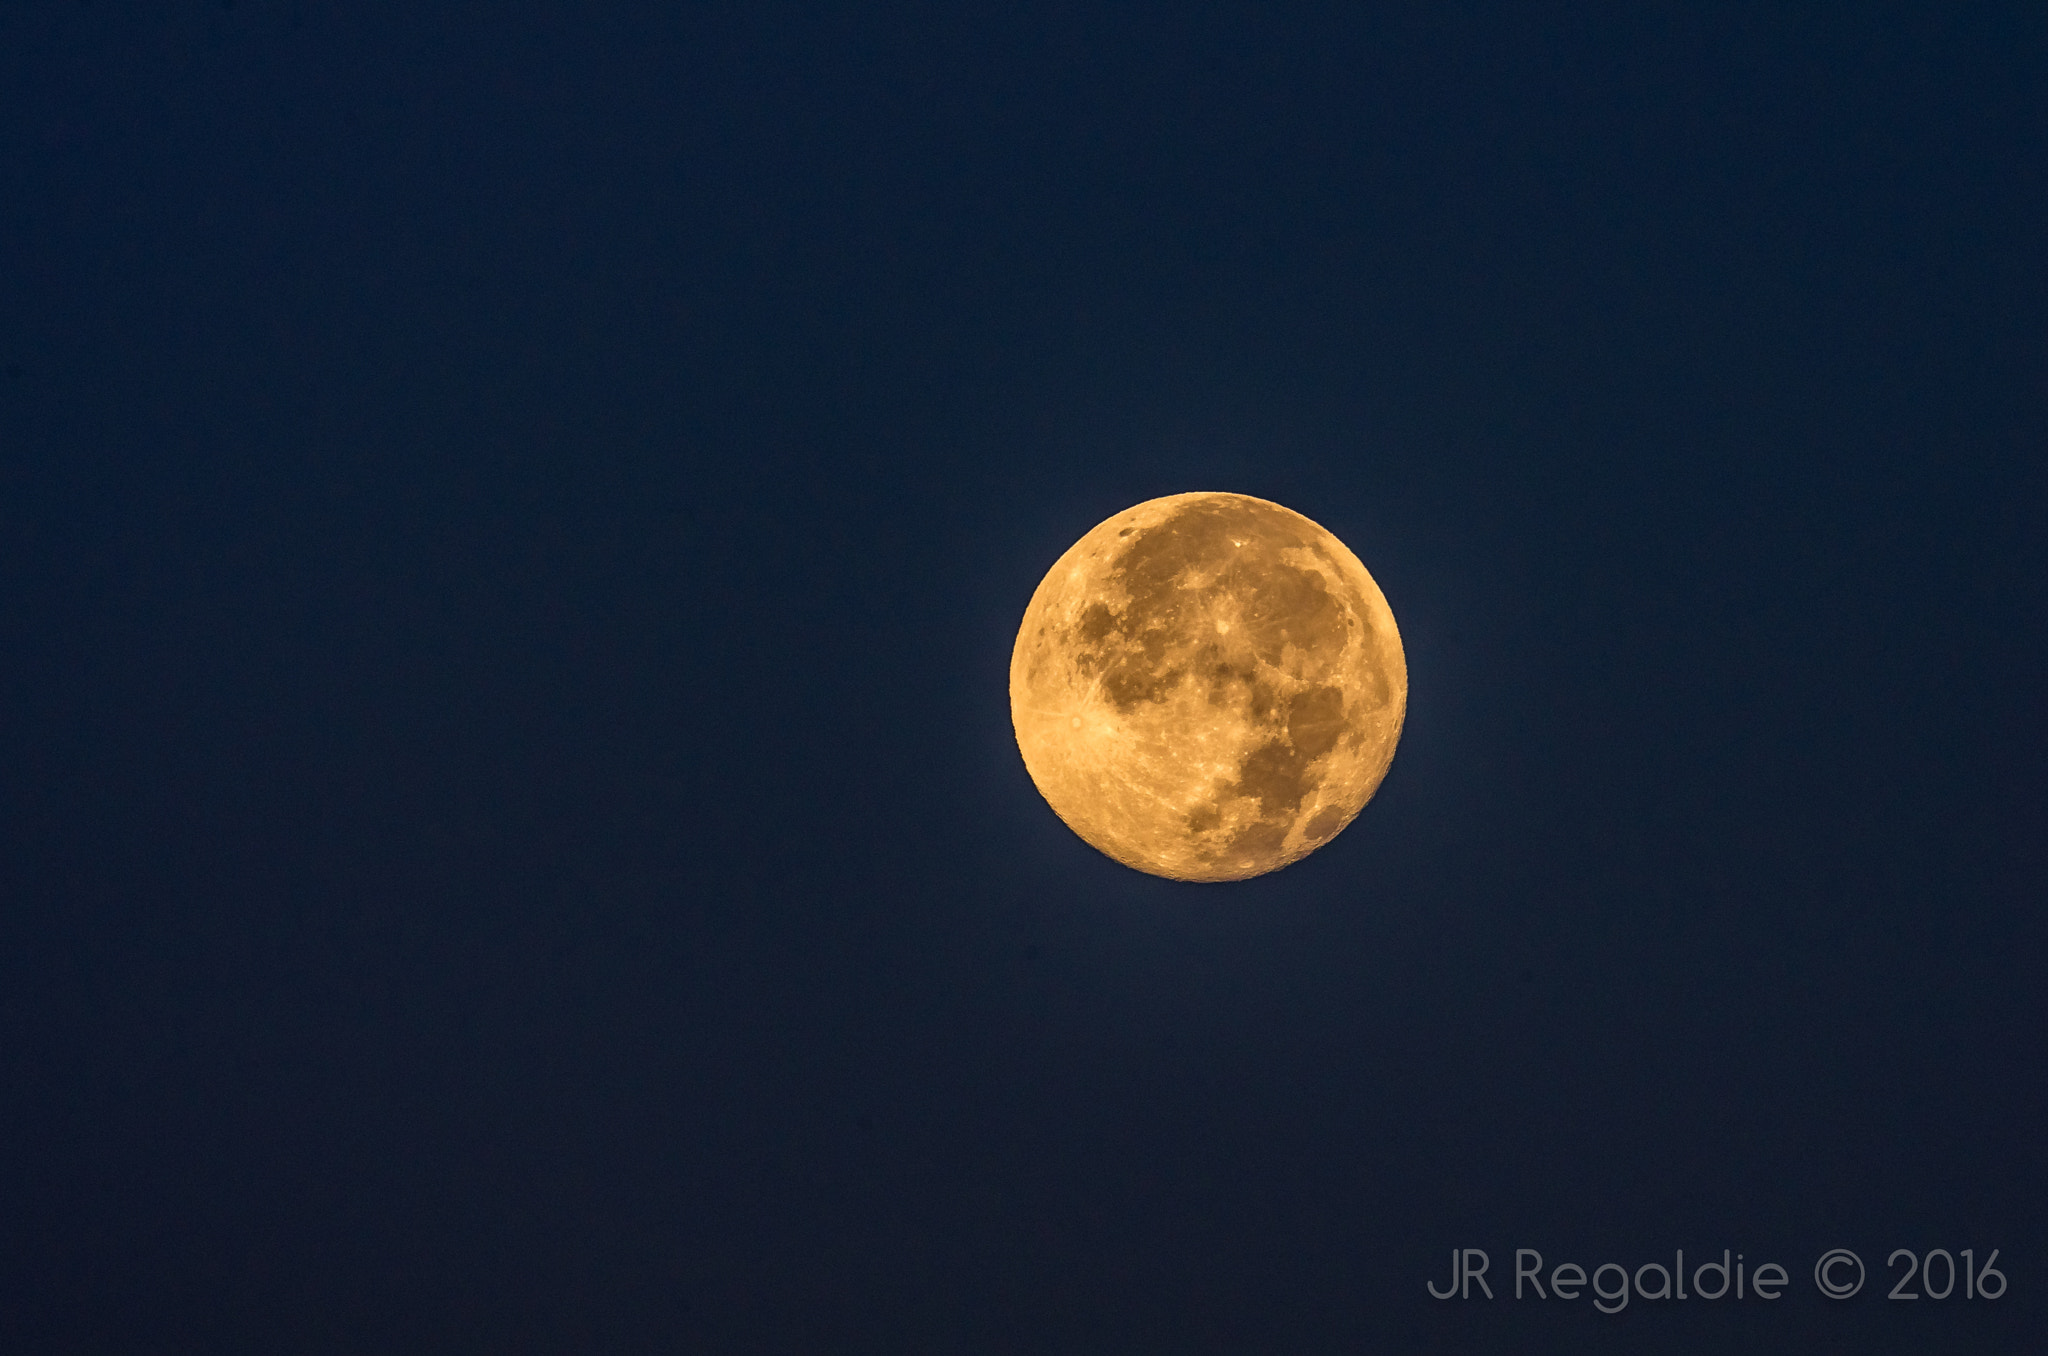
x: 1207, y: 687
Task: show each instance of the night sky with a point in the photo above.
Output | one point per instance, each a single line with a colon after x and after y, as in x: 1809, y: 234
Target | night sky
x: 513, y: 519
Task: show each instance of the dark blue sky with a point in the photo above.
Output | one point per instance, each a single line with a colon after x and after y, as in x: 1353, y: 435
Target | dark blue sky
x: 512, y: 522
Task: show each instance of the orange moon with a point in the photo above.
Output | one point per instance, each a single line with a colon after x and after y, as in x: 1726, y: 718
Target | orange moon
x: 1208, y: 687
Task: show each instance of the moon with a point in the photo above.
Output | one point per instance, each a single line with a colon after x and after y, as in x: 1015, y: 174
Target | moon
x: 1208, y: 687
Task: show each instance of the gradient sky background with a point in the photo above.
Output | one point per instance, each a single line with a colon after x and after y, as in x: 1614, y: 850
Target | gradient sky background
x: 512, y: 520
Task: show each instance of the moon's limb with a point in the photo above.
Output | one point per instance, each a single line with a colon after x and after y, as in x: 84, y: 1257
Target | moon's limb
x: 1207, y: 686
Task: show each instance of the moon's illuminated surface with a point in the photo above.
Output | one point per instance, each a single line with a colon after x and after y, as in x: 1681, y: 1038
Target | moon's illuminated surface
x: 1208, y: 686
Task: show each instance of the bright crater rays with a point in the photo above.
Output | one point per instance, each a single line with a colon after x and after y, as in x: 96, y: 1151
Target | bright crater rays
x: 1207, y: 687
